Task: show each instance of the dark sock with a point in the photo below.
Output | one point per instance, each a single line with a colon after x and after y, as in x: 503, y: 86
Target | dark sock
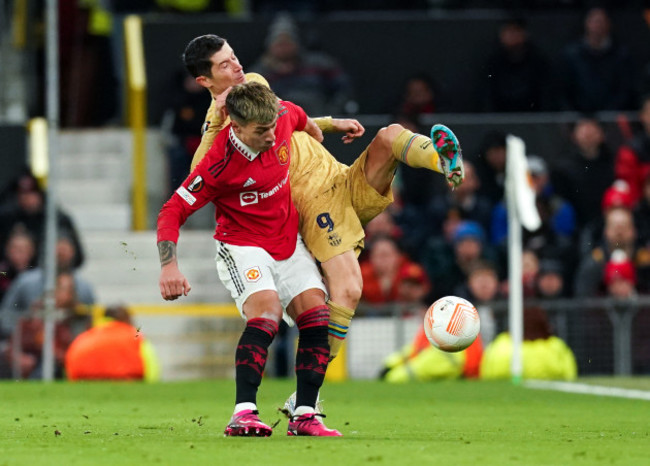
x: 250, y: 357
x: 313, y: 354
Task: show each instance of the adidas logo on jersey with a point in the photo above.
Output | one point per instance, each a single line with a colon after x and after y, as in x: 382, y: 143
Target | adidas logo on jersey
x: 249, y: 182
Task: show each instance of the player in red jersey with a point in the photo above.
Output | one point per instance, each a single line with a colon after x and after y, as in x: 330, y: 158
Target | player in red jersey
x: 334, y: 200
x: 260, y: 257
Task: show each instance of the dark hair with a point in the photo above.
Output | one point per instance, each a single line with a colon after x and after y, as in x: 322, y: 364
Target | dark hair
x: 118, y: 313
x: 198, y: 53
x: 385, y: 237
x: 480, y: 265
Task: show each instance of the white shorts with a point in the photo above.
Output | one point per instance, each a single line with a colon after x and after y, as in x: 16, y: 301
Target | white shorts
x: 245, y: 270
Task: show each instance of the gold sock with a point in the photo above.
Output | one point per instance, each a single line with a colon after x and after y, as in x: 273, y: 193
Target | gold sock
x: 416, y: 150
x: 340, y: 317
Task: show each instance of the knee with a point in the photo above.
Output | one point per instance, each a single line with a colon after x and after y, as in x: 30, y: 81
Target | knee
x: 387, y: 135
x: 347, y: 292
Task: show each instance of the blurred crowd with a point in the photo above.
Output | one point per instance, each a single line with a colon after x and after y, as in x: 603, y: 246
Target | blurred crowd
x: 109, y: 347
x: 596, y: 70
x: 594, y: 241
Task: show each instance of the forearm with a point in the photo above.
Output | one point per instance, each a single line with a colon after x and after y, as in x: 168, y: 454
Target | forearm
x: 326, y: 124
x: 352, y: 128
x: 313, y: 130
x: 167, y: 253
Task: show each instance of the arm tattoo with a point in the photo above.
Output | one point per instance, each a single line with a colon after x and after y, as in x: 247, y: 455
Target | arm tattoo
x: 167, y: 252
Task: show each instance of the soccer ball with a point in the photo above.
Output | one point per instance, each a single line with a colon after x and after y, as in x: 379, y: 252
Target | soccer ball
x: 451, y: 324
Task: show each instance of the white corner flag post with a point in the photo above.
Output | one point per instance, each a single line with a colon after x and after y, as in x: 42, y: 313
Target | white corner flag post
x: 522, y: 211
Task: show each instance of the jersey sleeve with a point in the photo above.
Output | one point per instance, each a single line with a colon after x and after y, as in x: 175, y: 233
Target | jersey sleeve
x: 296, y: 113
x: 212, y: 126
x: 195, y: 192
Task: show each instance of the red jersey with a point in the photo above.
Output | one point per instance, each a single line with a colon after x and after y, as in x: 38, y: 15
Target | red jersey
x: 250, y: 190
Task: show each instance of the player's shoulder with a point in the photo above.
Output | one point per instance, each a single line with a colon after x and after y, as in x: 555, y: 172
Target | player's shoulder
x: 220, y: 151
x: 286, y: 107
x: 257, y: 78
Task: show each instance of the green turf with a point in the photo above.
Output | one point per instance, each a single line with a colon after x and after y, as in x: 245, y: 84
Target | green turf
x: 445, y: 423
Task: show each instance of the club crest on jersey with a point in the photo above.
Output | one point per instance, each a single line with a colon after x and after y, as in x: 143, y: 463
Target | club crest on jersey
x: 248, y: 198
x: 334, y: 239
x: 196, y: 184
x: 253, y: 274
x: 205, y: 127
x: 283, y: 153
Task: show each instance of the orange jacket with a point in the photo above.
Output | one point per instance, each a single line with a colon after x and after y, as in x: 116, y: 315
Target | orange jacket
x: 108, y: 351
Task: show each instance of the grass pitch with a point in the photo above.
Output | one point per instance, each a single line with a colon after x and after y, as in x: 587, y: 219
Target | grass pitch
x: 451, y: 422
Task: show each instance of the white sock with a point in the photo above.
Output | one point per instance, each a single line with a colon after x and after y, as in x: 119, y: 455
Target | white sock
x: 300, y: 410
x: 242, y: 406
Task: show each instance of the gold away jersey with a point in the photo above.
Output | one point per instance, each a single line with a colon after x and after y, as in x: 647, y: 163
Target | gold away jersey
x: 333, y: 200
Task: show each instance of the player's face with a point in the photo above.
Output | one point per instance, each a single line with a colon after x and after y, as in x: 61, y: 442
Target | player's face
x: 257, y: 136
x: 226, y: 71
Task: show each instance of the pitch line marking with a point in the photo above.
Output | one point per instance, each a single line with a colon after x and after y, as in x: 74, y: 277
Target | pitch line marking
x: 586, y: 389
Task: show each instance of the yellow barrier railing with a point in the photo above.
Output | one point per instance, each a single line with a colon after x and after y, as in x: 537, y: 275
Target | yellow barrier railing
x: 137, y: 116
x: 188, y: 310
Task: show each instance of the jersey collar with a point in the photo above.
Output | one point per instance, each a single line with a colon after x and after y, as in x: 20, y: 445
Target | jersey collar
x: 245, y: 150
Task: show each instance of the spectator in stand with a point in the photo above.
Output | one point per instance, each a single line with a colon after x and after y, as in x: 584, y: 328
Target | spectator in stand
x: 448, y: 269
x: 617, y: 195
x: 413, y: 288
x: 597, y: 72
x: 550, y: 279
x: 587, y: 172
x: 481, y: 289
x: 633, y: 158
x: 86, y: 64
x: 619, y: 280
x: 112, y: 350
x: 642, y: 215
x: 491, y: 166
x: 26, y: 351
x: 440, y: 217
x: 591, y: 326
x: 312, y: 80
x: 619, y: 276
x: 383, y: 270
x: 30, y: 285
x: 555, y: 236
x: 619, y: 234
x: 463, y: 203
x: 26, y: 206
x: 382, y: 225
x: 181, y: 122
x: 529, y: 271
x: 418, y: 97
x: 19, y: 256
x: 544, y: 355
x: 517, y: 72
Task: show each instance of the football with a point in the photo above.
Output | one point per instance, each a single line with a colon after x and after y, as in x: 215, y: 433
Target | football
x: 451, y: 324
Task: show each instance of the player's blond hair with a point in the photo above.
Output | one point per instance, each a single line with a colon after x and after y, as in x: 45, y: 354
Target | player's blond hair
x: 252, y: 102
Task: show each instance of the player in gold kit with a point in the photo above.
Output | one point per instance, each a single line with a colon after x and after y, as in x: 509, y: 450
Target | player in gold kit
x: 334, y: 200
